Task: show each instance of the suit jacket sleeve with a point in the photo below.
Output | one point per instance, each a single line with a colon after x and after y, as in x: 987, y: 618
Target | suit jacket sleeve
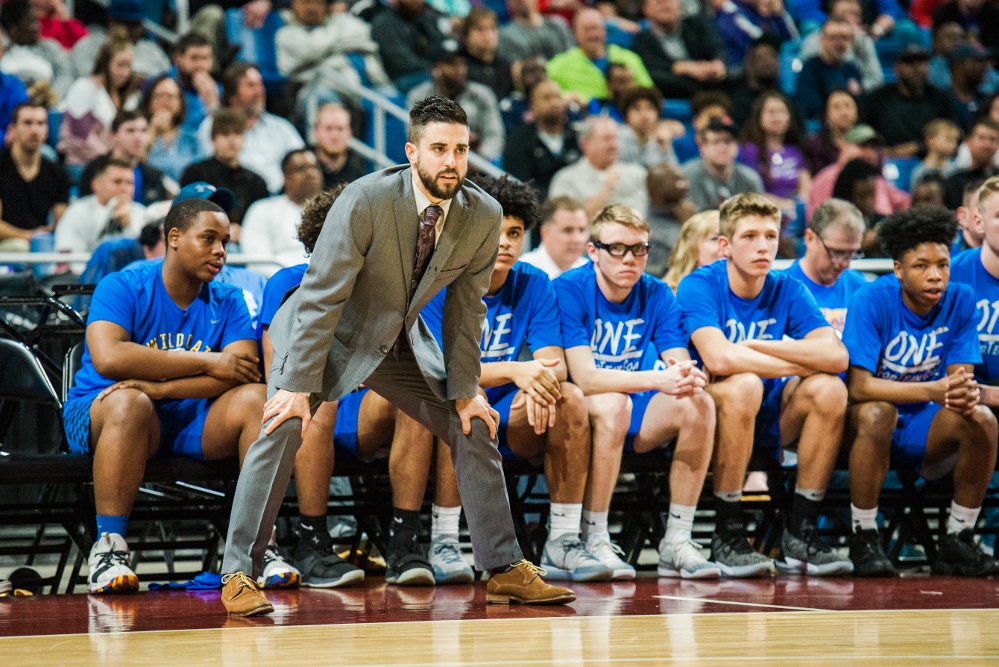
x: 326, y: 286
x: 464, y: 313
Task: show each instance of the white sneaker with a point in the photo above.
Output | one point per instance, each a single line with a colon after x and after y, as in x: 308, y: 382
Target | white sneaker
x: 610, y: 554
x: 108, y: 566
x: 568, y: 559
x: 684, y: 560
x: 278, y: 573
x: 448, y: 563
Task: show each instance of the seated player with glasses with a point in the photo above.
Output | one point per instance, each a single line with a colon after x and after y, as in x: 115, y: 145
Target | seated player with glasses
x: 626, y: 351
x: 832, y: 240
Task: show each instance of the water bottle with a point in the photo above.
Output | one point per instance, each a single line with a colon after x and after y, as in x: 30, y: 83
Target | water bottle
x: 43, y: 242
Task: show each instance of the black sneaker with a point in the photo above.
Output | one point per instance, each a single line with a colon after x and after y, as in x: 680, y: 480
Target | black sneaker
x: 804, y: 552
x: 869, y: 559
x: 321, y: 567
x: 735, y: 557
x: 407, y: 566
x: 958, y: 554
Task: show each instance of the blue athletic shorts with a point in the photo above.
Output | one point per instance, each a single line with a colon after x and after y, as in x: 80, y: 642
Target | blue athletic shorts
x: 908, y: 441
x: 639, y: 404
x: 348, y: 412
x: 767, y: 433
x: 182, y: 422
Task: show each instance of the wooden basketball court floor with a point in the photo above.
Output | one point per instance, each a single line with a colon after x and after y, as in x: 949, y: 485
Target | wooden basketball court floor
x: 914, y: 620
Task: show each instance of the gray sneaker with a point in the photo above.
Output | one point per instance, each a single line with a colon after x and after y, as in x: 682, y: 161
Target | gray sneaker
x: 731, y: 551
x: 808, y: 554
x: 684, y: 560
x: 448, y: 563
x: 568, y: 559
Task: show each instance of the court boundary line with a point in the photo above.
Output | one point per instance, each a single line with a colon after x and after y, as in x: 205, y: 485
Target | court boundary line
x: 739, y: 604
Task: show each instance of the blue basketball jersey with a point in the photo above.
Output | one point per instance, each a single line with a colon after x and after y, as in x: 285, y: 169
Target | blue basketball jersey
x: 833, y: 301
x: 967, y: 268
x: 277, y: 286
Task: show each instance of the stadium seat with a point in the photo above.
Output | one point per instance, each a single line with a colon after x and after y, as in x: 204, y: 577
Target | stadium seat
x: 790, y: 66
x: 898, y: 171
x: 257, y: 46
x: 55, y: 121
x: 678, y: 110
x: 616, y: 35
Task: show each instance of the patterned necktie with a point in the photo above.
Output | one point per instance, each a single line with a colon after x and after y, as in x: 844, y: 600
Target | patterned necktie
x: 424, y: 250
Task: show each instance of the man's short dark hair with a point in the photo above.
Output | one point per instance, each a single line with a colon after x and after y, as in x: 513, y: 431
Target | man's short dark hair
x: 983, y: 121
x: 230, y: 79
x: 314, y: 216
x: 291, y: 154
x: 556, y: 204
x: 434, y: 109
x: 901, y: 232
x: 228, y: 121
x: 709, y: 98
x: 636, y: 95
x: 517, y: 199
x: 14, y: 12
x: 125, y: 116
x: 183, y: 214
x: 103, y: 166
x: 151, y: 234
x: 188, y: 40
x: 27, y: 104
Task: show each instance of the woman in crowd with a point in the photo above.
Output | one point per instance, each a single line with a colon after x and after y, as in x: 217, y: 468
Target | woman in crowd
x: 173, y: 146
x: 822, y: 149
x: 93, y: 101
x: 696, y: 247
x: 772, y: 146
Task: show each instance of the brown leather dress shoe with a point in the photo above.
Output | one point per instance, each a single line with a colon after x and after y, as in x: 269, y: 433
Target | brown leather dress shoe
x: 524, y: 584
x: 241, y: 596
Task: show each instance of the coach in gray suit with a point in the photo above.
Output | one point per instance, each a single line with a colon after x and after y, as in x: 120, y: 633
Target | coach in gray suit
x: 355, y: 319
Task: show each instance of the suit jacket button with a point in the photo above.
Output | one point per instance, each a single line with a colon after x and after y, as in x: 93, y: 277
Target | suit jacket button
x: 385, y: 349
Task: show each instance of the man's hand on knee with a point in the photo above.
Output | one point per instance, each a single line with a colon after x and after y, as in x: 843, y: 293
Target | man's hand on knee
x: 472, y: 407
x: 285, y: 405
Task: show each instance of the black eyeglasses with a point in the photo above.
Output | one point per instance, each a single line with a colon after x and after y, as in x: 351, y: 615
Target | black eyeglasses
x: 621, y: 249
x: 841, y: 256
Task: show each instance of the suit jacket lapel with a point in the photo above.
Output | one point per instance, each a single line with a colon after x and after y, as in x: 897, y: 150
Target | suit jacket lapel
x: 457, y: 216
x: 407, y: 227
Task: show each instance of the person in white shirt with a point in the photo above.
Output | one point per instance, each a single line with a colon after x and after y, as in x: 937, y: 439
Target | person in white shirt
x: 108, y: 213
x: 270, y: 226
x: 564, y: 233
x: 598, y: 179
x: 268, y: 138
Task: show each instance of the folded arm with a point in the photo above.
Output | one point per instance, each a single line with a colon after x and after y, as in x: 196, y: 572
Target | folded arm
x: 863, y: 386
x: 724, y: 358
x: 821, y: 351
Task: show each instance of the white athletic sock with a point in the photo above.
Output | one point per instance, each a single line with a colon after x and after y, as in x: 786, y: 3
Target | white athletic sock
x: 594, y: 524
x: 680, y: 523
x: 812, y: 494
x: 565, y: 519
x: 864, y: 519
x: 444, y: 521
x: 729, y: 496
x: 961, y: 517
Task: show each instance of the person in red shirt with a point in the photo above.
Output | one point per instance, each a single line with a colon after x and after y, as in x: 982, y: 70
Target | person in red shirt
x: 56, y: 23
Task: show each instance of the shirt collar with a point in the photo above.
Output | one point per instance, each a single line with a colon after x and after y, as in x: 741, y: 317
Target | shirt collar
x: 422, y: 202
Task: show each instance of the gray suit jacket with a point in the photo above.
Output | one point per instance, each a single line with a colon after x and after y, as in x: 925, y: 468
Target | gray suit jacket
x: 354, y: 299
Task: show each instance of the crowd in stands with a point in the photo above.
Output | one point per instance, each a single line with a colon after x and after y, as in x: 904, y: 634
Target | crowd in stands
x: 822, y: 132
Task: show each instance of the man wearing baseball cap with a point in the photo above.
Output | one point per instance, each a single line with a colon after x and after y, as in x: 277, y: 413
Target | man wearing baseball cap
x: 716, y: 176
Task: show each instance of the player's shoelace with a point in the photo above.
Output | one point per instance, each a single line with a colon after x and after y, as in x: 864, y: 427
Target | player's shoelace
x: 576, y: 552
x: 448, y: 552
x: 109, y: 559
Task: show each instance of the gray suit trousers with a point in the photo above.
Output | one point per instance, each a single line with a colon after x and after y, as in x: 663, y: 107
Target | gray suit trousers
x: 270, y: 461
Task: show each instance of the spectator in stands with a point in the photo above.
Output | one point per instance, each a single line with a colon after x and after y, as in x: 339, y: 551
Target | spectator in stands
x: 269, y: 226
x: 208, y: 18
x: 337, y: 160
x: 890, y: 416
x: 857, y: 184
x: 537, y: 150
x: 410, y: 36
x: 968, y: 65
x: 619, y: 81
x: 531, y: 34
x: 703, y: 106
x: 192, y: 66
x: 172, y: 145
x: 486, y: 64
x: 635, y: 407
x: 564, y: 230
x: 946, y: 38
x: 223, y: 169
x: 669, y: 208
x: 115, y: 254
x: 12, y: 93
x: 313, y: 49
x: 109, y: 212
x: 833, y: 239
x: 979, y: 19
x: 696, y: 246
x: 741, y: 22
x: 941, y: 138
x: 56, y: 22
x: 130, y: 143
x: 772, y: 146
x: 124, y: 17
x: 34, y: 191
x: 716, y: 176
x: 764, y: 334
x: 599, y: 178
x: 760, y: 74
x: 644, y: 138
x: 829, y: 70
x: 582, y: 70
x: 93, y: 102
x: 982, y: 143
x: 931, y: 190
x: 862, y: 52
x: 970, y: 231
x: 841, y: 114
x: 30, y: 57
x: 268, y: 138
x: 683, y: 54
x: 157, y: 373
x: 449, y: 77
x: 860, y: 142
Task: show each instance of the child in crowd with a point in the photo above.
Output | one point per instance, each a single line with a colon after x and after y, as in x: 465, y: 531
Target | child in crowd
x: 942, y: 137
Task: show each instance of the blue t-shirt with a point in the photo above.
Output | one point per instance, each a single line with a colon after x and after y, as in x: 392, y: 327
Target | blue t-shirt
x: 136, y: 300
x: 967, y: 268
x: 522, y: 312
x: 277, y: 286
x: 893, y: 343
x: 626, y: 336
x: 833, y: 301
x: 784, y: 307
